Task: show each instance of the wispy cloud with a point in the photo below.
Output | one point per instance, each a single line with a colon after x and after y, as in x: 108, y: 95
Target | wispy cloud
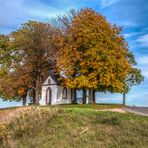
x: 13, y: 13
x: 107, y: 3
x: 143, y: 40
x: 143, y: 60
x: 127, y: 23
x: 23, y: 8
x: 145, y: 73
x: 127, y: 35
x: 44, y: 11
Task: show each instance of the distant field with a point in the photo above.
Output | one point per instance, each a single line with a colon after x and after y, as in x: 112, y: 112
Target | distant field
x: 64, y: 127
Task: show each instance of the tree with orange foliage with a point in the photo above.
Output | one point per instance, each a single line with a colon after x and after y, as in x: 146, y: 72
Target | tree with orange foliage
x: 85, y: 49
x: 34, y: 56
x: 94, y: 55
x: 34, y: 43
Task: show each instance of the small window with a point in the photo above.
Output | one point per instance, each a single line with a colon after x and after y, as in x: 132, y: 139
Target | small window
x: 48, y: 81
x: 64, y: 94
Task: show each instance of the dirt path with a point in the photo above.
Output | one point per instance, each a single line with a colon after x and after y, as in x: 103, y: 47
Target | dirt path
x: 119, y: 110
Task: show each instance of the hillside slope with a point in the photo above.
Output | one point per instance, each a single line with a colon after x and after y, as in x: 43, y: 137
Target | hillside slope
x: 44, y: 127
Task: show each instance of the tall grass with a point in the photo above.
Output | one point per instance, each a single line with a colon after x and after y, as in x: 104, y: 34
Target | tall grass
x: 48, y: 127
x: 25, y: 125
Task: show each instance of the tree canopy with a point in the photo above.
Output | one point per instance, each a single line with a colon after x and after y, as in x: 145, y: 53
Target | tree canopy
x: 94, y: 53
x: 82, y: 48
x: 32, y: 47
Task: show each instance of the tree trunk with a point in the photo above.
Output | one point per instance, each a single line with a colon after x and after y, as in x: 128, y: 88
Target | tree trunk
x: 37, y: 96
x: 37, y: 91
x: 94, y: 96
x: 74, y: 96
x: 84, y: 96
x: 24, y: 99
x: 33, y: 95
x: 91, y: 95
x: 124, y: 98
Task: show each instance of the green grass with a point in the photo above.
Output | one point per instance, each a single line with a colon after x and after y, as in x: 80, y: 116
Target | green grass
x: 48, y: 127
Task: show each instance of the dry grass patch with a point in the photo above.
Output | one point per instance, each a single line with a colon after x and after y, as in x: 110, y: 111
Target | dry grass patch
x: 6, y: 115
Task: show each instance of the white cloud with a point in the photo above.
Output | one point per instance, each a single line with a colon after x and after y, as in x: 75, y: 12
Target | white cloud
x: 13, y: 13
x: 144, y: 71
x: 130, y: 34
x: 143, y: 40
x: 22, y: 9
x: 11, y: 9
x: 145, y: 74
x: 142, y: 60
x: 107, y: 3
x: 44, y: 11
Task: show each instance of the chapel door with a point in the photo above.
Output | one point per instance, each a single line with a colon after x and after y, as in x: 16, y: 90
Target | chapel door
x: 48, y: 96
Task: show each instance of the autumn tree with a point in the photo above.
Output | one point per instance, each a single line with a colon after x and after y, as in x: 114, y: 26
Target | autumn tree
x: 84, y: 49
x: 10, y: 86
x: 34, y: 43
x: 34, y: 52
x: 12, y: 89
x: 94, y: 54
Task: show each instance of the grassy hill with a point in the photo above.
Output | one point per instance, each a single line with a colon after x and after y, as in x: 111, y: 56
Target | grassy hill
x: 66, y: 127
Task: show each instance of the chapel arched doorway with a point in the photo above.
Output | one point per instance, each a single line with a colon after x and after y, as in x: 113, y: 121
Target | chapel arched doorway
x: 48, y: 95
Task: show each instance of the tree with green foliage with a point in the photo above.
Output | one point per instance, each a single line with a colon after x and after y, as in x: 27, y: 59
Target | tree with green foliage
x: 11, y: 88
x: 133, y: 78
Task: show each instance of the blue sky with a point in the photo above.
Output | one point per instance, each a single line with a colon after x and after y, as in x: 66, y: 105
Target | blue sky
x: 131, y: 14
